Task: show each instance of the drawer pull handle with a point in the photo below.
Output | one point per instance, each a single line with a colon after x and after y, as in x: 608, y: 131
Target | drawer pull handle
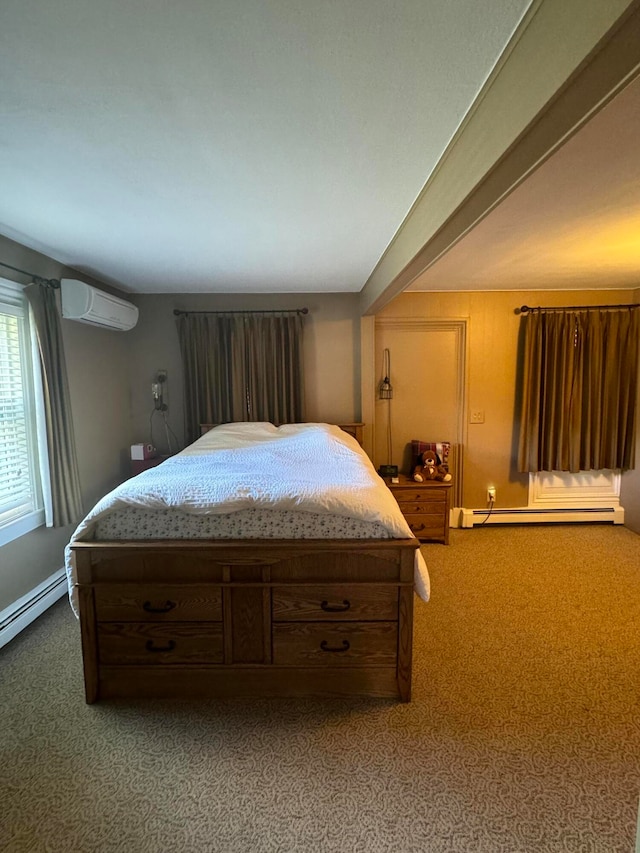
x: 169, y: 605
x: 335, y: 608
x: 153, y: 648
x: 346, y: 645
x: 417, y: 526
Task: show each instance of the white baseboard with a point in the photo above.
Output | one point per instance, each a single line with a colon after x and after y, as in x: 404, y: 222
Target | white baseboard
x: 529, y: 515
x: 25, y: 610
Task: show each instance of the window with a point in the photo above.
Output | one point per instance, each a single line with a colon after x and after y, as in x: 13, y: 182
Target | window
x: 242, y: 366
x: 21, y: 505
x: 580, y: 379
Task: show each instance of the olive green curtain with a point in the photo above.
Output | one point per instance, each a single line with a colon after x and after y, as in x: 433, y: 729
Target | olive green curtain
x: 241, y: 367
x: 66, y: 497
x: 580, y: 379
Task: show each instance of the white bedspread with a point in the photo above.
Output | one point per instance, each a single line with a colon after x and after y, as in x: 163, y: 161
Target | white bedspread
x: 307, y: 467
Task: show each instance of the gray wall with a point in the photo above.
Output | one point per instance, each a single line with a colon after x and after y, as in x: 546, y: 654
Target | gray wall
x: 331, y: 347
x: 98, y: 367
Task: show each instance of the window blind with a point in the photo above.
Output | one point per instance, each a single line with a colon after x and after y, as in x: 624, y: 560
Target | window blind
x: 18, y: 453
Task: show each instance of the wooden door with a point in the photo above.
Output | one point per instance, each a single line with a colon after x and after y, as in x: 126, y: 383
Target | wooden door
x: 428, y: 380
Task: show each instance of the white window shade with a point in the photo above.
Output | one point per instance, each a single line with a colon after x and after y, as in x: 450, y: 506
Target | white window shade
x: 20, y: 494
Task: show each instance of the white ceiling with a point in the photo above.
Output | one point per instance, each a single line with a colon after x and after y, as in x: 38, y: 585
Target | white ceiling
x: 247, y: 146
x: 574, y: 224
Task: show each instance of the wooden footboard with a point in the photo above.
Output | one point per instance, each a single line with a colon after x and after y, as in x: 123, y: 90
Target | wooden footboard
x: 250, y: 618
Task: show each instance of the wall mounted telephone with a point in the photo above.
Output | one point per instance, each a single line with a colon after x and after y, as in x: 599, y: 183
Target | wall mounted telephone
x: 157, y: 390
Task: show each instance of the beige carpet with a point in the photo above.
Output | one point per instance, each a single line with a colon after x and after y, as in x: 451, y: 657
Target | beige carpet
x: 523, y: 734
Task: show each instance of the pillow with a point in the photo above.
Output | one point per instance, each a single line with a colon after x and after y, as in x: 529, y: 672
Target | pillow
x: 442, y: 449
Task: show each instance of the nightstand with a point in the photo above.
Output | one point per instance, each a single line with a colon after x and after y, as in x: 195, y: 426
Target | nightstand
x: 425, y: 506
x: 140, y: 465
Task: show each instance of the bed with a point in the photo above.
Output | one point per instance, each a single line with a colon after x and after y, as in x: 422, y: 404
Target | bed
x: 259, y: 561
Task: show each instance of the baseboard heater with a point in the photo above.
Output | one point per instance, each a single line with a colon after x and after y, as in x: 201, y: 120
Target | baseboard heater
x: 531, y: 515
x: 25, y: 610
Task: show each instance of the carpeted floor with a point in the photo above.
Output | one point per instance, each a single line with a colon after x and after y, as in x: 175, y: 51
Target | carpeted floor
x: 523, y: 734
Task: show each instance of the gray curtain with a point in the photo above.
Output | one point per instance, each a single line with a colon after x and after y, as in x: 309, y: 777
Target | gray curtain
x: 241, y: 367
x: 63, y: 464
x: 580, y: 383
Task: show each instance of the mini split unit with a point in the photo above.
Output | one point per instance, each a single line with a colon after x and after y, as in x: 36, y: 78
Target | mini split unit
x: 87, y: 304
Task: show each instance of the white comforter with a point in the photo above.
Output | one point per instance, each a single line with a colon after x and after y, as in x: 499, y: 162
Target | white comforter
x: 308, y: 467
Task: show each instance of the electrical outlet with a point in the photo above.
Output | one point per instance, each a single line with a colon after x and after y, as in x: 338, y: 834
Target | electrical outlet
x: 476, y: 416
x: 491, y: 494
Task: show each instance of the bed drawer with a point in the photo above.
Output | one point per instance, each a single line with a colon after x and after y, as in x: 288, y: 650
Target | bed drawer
x: 158, y: 603
x: 349, y: 644
x: 148, y: 643
x: 334, y: 603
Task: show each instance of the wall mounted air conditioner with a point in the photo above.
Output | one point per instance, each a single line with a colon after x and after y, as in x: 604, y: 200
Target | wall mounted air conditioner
x: 87, y: 304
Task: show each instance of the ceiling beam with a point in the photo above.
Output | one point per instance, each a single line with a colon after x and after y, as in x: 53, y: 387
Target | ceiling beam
x: 564, y: 63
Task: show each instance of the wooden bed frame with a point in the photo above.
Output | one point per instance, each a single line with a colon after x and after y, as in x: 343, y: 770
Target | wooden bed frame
x: 240, y: 618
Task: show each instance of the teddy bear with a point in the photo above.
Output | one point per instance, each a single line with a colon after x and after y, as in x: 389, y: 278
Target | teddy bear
x: 429, y: 468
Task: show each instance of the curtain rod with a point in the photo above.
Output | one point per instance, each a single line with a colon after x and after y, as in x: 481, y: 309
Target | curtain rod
x: 524, y: 309
x: 176, y: 311
x: 52, y: 282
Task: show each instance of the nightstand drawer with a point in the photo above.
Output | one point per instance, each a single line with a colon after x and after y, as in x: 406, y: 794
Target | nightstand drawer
x: 425, y: 507
x: 420, y: 496
x: 426, y: 526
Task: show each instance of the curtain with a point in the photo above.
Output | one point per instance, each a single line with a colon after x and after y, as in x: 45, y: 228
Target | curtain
x: 63, y: 465
x: 580, y: 382
x: 241, y: 367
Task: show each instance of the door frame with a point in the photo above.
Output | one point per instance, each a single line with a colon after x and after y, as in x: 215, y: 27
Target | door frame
x: 458, y: 325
